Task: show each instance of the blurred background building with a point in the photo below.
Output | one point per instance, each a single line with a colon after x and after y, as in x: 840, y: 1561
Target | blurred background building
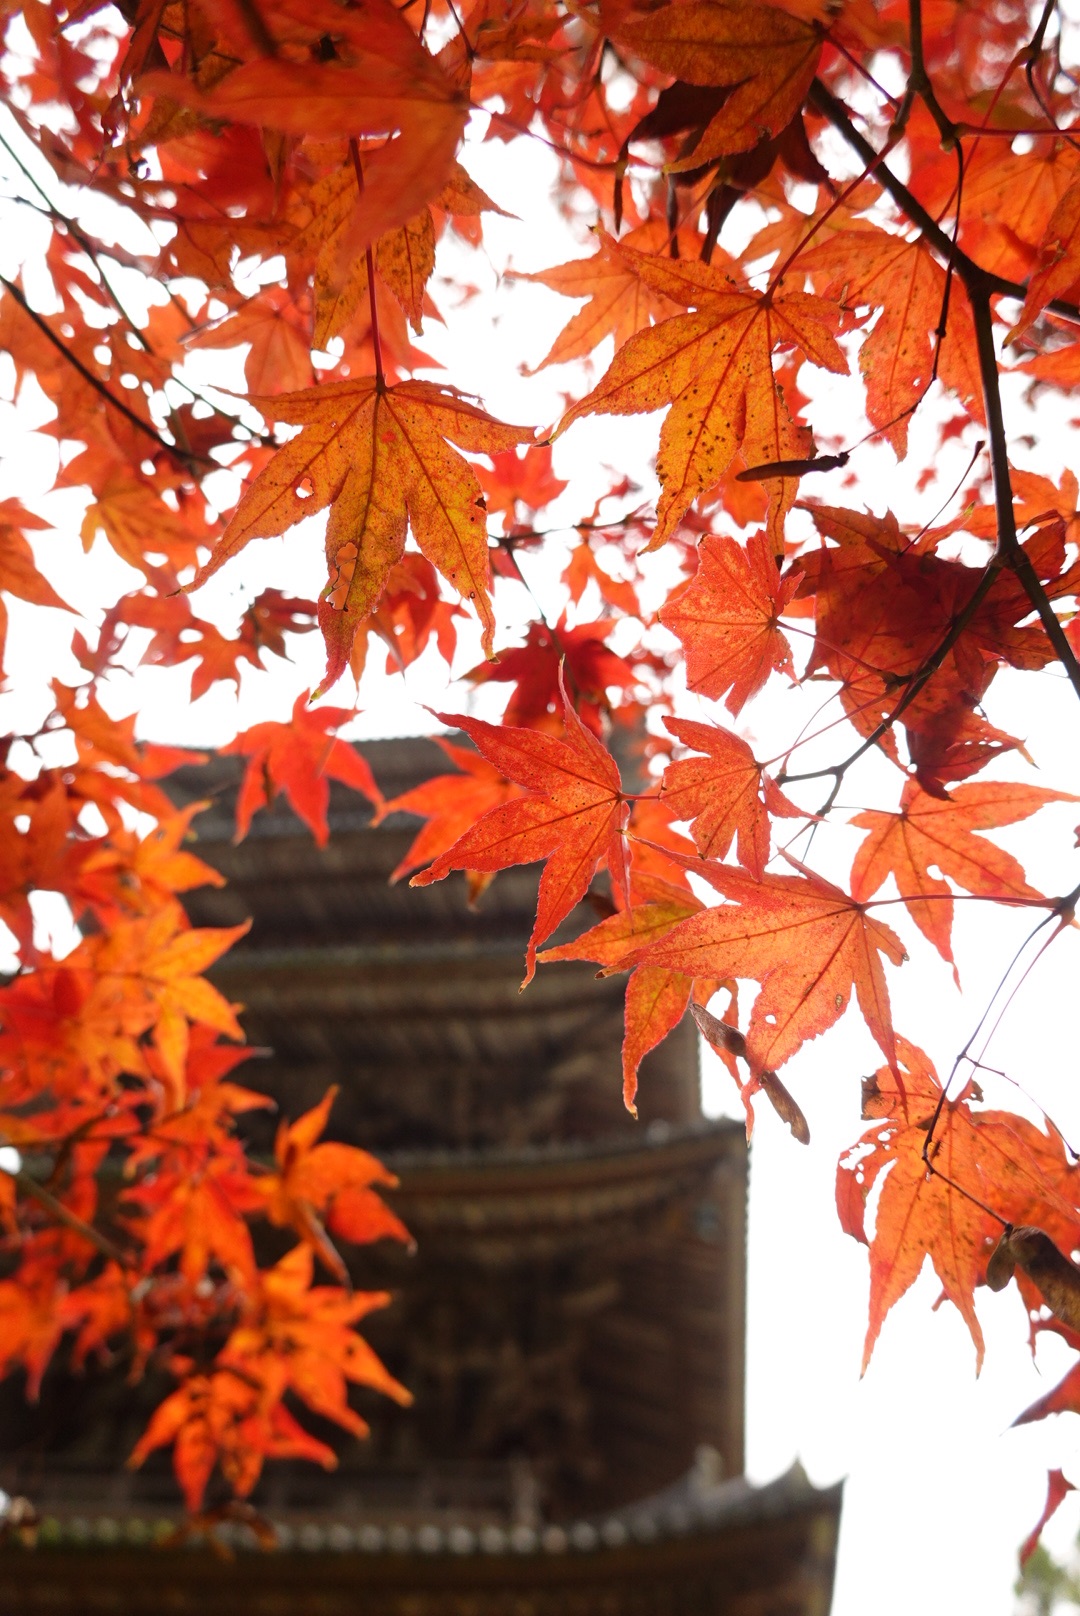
x: 571, y: 1323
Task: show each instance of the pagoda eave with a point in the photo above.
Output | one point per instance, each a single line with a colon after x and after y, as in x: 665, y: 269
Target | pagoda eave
x: 714, y: 1550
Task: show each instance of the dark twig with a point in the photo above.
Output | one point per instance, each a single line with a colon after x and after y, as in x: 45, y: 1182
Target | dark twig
x: 1009, y: 548
x: 827, y: 104
x: 980, y: 285
x: 71, y: 1220
x: 916, y: 682
x: 185, y: 458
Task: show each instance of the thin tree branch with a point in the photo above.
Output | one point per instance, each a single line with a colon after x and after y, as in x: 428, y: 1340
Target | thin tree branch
x: 827, y: 104
x: 919, y: 80
x: 185, y: 458
x: 980, y: 285
x: 915, y: 684
x: 1009, y: 547
x: 71, y: 1220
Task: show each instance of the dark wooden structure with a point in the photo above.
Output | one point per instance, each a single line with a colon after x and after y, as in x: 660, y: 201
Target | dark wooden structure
x: 571, y: 1324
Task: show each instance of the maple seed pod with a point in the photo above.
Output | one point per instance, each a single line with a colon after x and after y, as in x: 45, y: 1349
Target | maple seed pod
x: 999, y: 1270
x: 1050, y: 1271
x: 719, y: 1033
x: 722, y: 1036
x: 786, y: 1106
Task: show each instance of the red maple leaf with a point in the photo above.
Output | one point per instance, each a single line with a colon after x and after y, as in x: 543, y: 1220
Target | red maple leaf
x: 299, y: 758
x: 572, y: 815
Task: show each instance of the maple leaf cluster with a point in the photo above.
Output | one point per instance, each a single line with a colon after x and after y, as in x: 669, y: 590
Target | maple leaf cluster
x: 300, y: 168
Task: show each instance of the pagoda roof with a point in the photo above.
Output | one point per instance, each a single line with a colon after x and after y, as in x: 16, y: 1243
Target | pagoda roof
x: 547, y: 1196
x: 702, y: 1545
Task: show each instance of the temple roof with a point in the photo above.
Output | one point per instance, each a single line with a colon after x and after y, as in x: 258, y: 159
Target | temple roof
x: 701, y: 1547
x: 701, y: 1501
x: 562, y: 1194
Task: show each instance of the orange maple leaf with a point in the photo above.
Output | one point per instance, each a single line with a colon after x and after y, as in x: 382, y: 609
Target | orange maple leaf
x: 143, y: 976
x: 883, y: 604
x: 727, y: 618
x: 410, y: 614
x: 379, y: 81
x: 137, y: 874
x: 379, y: 457
x: 179, y: 636
x: 765, y: 56
x: 279, y: 356
x: 45, y: 853
x: 1058, y: 273
x: 303, y: 1337
x: 404, y: 257
x: 450, y: 803
x: 520, y: 479
x: 714, y: 366
x: 194, y: 1209
x: 572, y: 815
x: 903, y: 280
x: 993, y: 1156
x: 935, y: 831
x: 299, y: 758
x: 723, y: 794
x: 318, y: 1187
x: 222, y: 1418
x: 619, y: 303
x: 99, y: 1311
x: 656, y: 997
x: 32, y: 1322
x: 19, y: 574
x: 806, y: 942
x: 1009, y: 198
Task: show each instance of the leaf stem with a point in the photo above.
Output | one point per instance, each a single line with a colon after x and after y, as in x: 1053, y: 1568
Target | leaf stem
x: 376, y: 340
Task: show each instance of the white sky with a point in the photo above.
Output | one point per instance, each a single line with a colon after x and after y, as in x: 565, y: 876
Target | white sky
x: 940, y: 1491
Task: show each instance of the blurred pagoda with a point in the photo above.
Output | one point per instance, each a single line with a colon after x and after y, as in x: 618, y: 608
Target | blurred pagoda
x: 571, y: 1323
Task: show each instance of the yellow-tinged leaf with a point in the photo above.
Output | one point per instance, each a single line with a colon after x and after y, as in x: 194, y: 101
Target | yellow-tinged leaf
x: 619, y: 303
x: 713, y: 365
x: 405, y: 259
x: 379, y: 457
x: 766, y: 57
